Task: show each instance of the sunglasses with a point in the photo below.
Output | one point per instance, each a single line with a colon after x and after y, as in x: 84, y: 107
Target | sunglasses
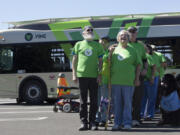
x: 132, y: 30
x: 89, y: 30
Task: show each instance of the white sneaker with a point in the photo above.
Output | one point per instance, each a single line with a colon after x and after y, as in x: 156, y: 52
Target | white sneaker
x: 127, y: 127
x: 135, y: 123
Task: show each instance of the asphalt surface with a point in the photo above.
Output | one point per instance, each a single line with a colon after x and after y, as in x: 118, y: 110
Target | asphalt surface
x: 41, y: 120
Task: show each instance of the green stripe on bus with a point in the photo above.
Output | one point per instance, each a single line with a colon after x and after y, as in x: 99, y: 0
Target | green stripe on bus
x: 67, y: 49
x: 69, y: 25
x: 76, y: 35
x: 115, y: 27
x: 145, y: 25
x: 58, y: 29
x: 127, y: 25
x: 60, y: 36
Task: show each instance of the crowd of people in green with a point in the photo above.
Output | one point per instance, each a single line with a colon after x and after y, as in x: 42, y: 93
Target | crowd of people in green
x: 124, y: 75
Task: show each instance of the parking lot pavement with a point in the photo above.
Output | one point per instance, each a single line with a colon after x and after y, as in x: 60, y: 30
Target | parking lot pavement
x: 10, y: 111
x: 41, y: 120
x: 7, y: 100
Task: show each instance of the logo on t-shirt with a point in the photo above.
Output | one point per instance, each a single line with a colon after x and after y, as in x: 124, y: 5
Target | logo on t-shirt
x: 88, y: 52
x: 120, y: 57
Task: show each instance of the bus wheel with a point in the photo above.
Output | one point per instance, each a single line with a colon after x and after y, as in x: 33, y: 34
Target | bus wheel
x: 33, y: 92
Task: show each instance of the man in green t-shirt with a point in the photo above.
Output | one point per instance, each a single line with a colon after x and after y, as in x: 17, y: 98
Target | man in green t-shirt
x: 86, y: 62
x: 160, y: 62
x: 152, y: 90
x: 149, y: 83
x: 161, y: 65
x: 139, y: 90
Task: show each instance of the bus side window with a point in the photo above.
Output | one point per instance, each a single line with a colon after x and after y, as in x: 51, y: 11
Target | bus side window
x: 61, y: 61
x: 6, y: 59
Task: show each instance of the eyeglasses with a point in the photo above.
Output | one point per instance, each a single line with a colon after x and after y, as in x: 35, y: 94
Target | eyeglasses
x: 132, y: 29
x: 89, y: 30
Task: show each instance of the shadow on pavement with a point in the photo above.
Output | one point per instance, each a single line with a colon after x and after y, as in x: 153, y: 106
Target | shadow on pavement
x: 148, y: 126
x: 152, y: 128
x: 165, y: 129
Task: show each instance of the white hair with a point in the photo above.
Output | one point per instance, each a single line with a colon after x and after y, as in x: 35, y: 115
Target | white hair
x: 122, y: 31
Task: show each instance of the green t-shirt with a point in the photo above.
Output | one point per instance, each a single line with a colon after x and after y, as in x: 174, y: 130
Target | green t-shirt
x: 88, y: 53
x: 159, y: 58
x: 123, y: 67
x: 105, y: 70
x: 140, y: 49
x: 150, y: 62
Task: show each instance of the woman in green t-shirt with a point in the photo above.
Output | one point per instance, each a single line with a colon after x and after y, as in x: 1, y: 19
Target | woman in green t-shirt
x: 125, y: 70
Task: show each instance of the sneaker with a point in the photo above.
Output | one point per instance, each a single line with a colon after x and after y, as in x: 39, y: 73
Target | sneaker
x: 110, y: 122
x: 112, y: 116
x: 83, y: 127
x: 115, y: 128
x: 102, y: 124
x: 93, y: 126
x: 148, y: 118
x: 135, y: 123
x: 127, y: 127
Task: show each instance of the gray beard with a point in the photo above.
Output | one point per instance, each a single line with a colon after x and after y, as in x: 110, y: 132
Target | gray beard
x: 88, y: 37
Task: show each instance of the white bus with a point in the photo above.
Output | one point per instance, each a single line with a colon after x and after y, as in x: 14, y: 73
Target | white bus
x: 30, y: 61
x: 33, y: 53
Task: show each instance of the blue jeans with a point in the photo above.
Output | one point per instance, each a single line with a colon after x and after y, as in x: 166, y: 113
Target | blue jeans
x: 149, y: 98
x: 122, y: 104
x: 103, y: 103
x: 103, y: 96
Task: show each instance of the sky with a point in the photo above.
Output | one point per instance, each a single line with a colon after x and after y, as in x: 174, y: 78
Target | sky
x: 25, y: 10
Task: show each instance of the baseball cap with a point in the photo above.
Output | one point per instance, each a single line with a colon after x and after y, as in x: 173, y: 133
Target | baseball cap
x: 105, y: 38
x: 132, y: 29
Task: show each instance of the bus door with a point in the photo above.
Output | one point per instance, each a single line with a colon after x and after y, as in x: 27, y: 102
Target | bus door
x: 7, y: 75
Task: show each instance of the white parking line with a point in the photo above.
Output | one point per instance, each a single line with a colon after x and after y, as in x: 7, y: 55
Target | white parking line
x: 26, y: 112
x: 23, y: 119
x: 24, y: 107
